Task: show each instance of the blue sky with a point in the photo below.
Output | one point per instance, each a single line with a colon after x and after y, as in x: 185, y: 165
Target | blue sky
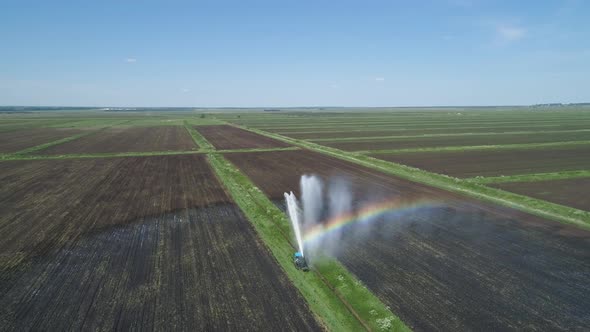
x: 294, y: 53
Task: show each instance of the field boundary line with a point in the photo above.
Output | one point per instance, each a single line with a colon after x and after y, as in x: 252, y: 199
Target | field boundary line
x: 532, y: 177
x: 96, y: 155
x: 11, y: 156
x: 523, y: 203
x: 198, y: 139
x: 499, y: 147
x: 248, y: 201
x: 377, y: 138
x: 289, y: 148
x: 341, y: 303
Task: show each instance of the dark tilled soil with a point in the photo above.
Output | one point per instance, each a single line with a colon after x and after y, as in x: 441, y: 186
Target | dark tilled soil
x: 226, y: 137
x: 570, y: 192
x: 429, y: 142
x: 128, y: 139
x: 332, y: 133
x: 148, y: 243
x: 13, y: 141
x: 454, y: 264
x: 495, y: 163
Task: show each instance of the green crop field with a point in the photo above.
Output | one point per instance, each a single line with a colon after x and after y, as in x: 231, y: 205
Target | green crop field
x: 137, y: 219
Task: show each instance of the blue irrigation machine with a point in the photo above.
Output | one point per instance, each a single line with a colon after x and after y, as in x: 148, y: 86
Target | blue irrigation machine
x: 300, y: 261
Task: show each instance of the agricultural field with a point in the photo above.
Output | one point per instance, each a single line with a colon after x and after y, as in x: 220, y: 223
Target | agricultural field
x: 434, y: 265
x: 134, y: 243
x: 437, y: 140
x: 470, y: 119
x: 128, y: 139
x: 235, y: 166
x: 175, y: 219
x: 465, y: 164
x: 336, y: 133
x: 16, y: 140
x: 226, y: 137
x: 11, y: 124
x: 569, y: 192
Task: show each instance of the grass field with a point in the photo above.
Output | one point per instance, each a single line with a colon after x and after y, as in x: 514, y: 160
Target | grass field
x: 175, y: 219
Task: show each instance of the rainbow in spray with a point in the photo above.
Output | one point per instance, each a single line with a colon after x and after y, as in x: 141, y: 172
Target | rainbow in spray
x: 368, y: 212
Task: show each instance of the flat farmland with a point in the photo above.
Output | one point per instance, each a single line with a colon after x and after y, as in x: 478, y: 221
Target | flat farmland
x: 418, y: 127
x: 127, y: 139
x: 569, y: 192
x: 459, y: 264
x: 392, y: 122
x: 16, y: 140
x: 459, y: 140
x: 340, y: 133
x: 137, y: 243
x: 495, y: 163
x: 372, y: 115
x: 413, y: 122
x: 7, y: 124
x: 226, y: 137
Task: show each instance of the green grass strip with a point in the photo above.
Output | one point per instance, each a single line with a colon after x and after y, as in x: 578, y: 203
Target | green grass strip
x: 201, y: 142
x: 531, y: 177
x: 95, y: 155
x: 528, y: 146
x: 527, y: 204
x: 290, y: 148
x: 340, y: 301
x: 14, y: 156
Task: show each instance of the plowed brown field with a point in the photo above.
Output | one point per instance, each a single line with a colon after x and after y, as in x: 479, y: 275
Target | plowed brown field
x: 128, y: 139
x: 149, y: 243
x: 431, y: 142
x: 342, y: 133
x: 455, y: 264
x: 495, y: 163
x: 13, y: 141
x: 570, y: 192
x: 227, y: 137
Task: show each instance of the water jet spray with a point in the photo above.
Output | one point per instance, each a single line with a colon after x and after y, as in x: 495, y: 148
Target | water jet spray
x: 294, y: 213
x: 330, y: 217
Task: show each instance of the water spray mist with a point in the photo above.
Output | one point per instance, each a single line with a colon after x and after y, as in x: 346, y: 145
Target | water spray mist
x: 294, y: 212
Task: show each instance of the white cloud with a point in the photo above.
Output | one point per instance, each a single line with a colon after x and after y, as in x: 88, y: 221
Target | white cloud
x: 185, y: 90
x: 379, y: 79
x: 131, y: 60
x: 507, y: 33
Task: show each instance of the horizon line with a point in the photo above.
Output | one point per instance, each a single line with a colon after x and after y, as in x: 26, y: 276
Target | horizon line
x: 93, y: 107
